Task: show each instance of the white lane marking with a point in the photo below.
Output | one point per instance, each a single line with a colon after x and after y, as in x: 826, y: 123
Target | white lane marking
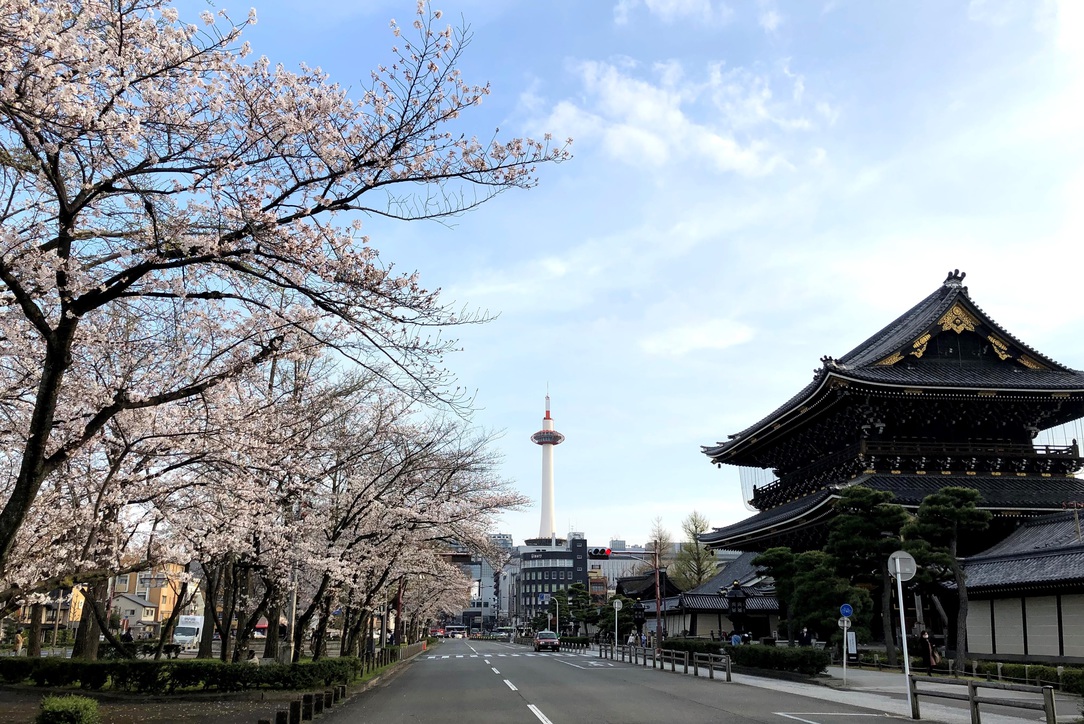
x: 494, y: 669
x: 798, y: 718
x: 487, y: 662
x: 511, y: 685
x: 541, y: 717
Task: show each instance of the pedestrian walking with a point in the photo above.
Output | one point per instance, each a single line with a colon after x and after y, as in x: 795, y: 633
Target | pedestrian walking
x: 735, y: 639
x: 805, y: 638
x: 929, y: 654
x: 18, y: 643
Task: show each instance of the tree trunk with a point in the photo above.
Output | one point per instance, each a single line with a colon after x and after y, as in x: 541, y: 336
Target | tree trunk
x: 886, y: 617
x: 33, y: 636
x: 207, y: 638
x: 274, y: 615
x: 86, y: 637
x: 171, y: 622
x: 961, y: 617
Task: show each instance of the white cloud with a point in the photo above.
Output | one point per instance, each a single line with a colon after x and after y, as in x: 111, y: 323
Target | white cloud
x: 655, y: 122
x: 710, y: 12
x: 770, y: 20
x: 1003, y: 12
x: 711, y: 334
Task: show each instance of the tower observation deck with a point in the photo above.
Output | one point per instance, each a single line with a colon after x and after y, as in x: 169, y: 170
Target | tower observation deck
x: 547, y: 437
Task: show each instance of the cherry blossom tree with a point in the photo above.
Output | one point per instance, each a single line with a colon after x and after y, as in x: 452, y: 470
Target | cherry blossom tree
x: 168, y: 204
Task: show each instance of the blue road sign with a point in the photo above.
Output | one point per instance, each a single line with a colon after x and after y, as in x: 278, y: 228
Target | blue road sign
x: 846, y: 610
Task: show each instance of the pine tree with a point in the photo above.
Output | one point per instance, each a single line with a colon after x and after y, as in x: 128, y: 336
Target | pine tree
x: 943, y: 519
x: 863, y: 535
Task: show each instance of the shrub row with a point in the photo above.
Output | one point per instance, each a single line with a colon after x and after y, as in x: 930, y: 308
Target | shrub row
x: 802, y: 660
x: 1069, y: 679
x: 696, y: 646
x: 168, y: 675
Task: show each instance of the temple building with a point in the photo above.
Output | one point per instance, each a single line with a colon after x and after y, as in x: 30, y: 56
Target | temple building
x: 942, y: 396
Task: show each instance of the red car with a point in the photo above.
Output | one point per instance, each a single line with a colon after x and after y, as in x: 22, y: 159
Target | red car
x: 546, y: 640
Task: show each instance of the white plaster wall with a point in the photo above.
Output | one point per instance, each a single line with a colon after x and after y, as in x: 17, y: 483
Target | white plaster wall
x: 1042, y: 625
x: 1008, y: 626
x: 1072, y: 623
x: 979, y: 638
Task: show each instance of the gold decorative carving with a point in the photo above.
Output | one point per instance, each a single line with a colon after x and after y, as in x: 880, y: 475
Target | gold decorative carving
x: 971, y: 472
x: 894, y: 472
x: 913, y: 391
x: 987, y: 393
x: 1001, y: 349
x: 920, y: 345
x: 957, y: 320
x: 891, y: 359
x: 1060, y: 395
x: 920, y: 472
x: 1030, y: 363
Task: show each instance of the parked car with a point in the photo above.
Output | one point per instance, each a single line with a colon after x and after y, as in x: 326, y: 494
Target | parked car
x: 546, y: 640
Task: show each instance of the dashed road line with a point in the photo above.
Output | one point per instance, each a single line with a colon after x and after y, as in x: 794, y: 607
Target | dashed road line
x: 494, y: 669
x: 511, y: 685
x: 541, y: 717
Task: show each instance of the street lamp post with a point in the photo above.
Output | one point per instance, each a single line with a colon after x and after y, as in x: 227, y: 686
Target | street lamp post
x: 735, y: 601
x: 658, y: 600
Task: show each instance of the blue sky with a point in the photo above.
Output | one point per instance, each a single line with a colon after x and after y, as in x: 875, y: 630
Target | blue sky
x: 755, y: 185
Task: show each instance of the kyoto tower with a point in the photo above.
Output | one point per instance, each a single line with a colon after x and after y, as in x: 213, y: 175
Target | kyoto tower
x: 547, y: 437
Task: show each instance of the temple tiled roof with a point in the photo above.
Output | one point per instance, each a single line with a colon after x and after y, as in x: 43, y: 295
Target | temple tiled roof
x: 805, y: 510
x: 1005, y: 491
x: 1042, y: 553
x: 872, y: 362
x: 1002, y: 491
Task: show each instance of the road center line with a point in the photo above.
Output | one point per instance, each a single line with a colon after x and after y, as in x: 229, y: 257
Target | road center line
x: 511, y: 685
x: 541, y: 717
x: 494, y: 669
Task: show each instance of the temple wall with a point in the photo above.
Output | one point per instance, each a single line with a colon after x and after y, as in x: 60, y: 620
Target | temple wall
x: 1042, y: 625
x: 980, y: 637
x: 1009, y: 626
x: 1072, y: 623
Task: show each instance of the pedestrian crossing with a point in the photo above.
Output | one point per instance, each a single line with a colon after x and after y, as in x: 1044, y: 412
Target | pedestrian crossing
x: 548, y: 654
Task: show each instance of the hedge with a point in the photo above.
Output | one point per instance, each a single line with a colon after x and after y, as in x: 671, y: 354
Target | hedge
x: 696, y: 646
x: 168, y: 675
x: 803, y: 659
x: 68, y: 710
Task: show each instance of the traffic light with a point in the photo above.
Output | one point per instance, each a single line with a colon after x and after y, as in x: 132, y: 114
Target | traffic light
x: 597, y: 553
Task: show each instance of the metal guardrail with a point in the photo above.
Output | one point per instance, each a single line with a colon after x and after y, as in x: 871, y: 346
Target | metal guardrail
x: 973, y: 698
x: 638, y: 655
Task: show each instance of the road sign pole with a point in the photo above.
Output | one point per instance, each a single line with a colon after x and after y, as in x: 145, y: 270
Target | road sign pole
x: 903, y: 629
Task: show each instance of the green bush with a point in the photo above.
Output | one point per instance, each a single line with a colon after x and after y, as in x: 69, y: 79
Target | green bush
x: 696, y: 646
x: 1043, y: 675
x: 17, y: 669
x: 92, y: 675
x: 802, y: 660
x: 145, y: 676
x: 1072, y: 680
x: 1015, y: 672
x: 54, y: 672
x: 68, y: 710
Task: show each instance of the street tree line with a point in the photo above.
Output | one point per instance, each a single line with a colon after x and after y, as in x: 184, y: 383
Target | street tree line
x: 203, y: 360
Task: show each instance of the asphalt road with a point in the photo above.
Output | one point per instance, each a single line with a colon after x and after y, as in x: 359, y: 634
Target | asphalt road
x: 481, y: 682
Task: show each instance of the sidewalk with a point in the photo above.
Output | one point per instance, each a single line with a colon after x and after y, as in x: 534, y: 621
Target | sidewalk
x: 887, y: 692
